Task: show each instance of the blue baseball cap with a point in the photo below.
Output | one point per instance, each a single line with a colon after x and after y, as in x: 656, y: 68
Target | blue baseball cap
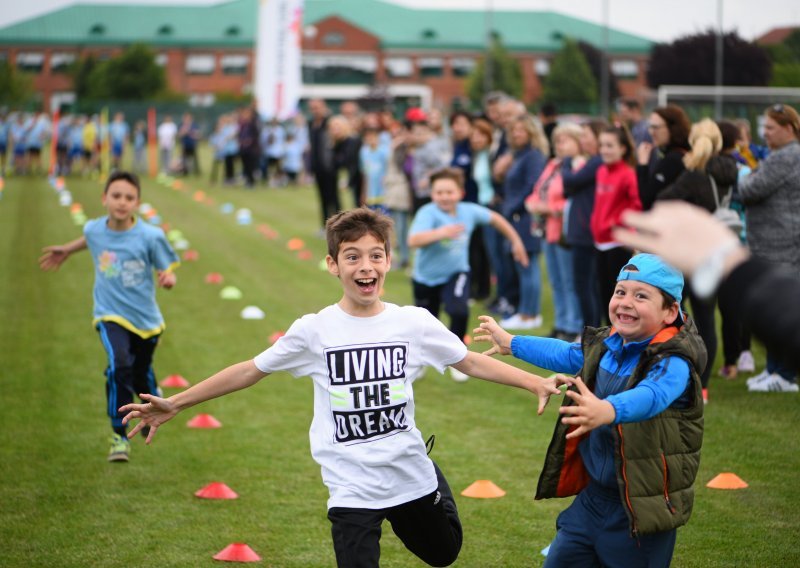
x: 652, y: 269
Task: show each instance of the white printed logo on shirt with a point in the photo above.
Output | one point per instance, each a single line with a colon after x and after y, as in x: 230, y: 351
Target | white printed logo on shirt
x: 366, y: 384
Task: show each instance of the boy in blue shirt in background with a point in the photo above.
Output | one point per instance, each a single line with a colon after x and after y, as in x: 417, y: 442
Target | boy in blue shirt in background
x: 374, y: 158
x: 629, y: 442
x: 441, y: 232
x: 125, y: 251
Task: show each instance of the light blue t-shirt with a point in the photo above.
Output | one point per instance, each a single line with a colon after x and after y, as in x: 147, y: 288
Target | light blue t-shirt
x: 374, y: 163
x: 124, y: 286
x: 436, y: 263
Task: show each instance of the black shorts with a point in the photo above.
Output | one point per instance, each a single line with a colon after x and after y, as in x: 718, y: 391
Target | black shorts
x: 429, y: 527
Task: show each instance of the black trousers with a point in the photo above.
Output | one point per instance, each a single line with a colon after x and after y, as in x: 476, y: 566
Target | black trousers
x: 584, y: 265
x: 328, y: 190
x: 129, y: 371
x: 609, y: 263
x: 429, y: 527
x: 479, y: 265
x: 703, y: 313
x: 454, y: 294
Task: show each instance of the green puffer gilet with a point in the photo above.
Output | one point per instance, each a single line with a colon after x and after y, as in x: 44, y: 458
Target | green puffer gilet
x: 657, y: 459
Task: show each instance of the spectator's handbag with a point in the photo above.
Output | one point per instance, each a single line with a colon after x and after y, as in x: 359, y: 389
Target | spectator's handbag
x: 723, y: 213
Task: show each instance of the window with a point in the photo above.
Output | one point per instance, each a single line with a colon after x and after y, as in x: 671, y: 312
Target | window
x: 339, y: 69
x: 97, y: 30
x: 200, y: 64
x: 625, y: 68
x: 60, y: 61
x: 201, y: 99
x: 462, y: 66
x: 541, y: 67
x: 165, y: 30
x: 333, y: 39
x: 30, y: 61
x: 397, y: 67
x: 235, y: 64
x: 162, y: 59
x: 233, y: 31
x: 431, y: 66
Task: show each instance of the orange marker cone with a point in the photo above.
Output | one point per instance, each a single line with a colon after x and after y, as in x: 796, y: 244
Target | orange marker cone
x: 199, y: 196
x: 214, y: 278
x: 191, y: 255
x: 237, y: 552
x: 204, y: 421
x: 483, y: 489
x: 216, y: 490
x: 295, y: 244
x: 467, y: 339
x: 305, y: 254
x: 727, y: 481
x: 175, y: 382
x: 275, y: 336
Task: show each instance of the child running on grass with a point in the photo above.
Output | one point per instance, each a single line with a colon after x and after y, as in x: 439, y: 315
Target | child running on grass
x: 441, y: 232
x: 125, y: 251
x: 629, y: 442
x: 363, y: 356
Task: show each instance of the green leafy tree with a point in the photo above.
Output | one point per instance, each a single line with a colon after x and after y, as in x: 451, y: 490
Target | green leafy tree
x: 505, y: 74
x: 81, y: 72
x: 16, y: 88
x: 785, y: 61
x: 570, y: 79
x: 134, y: 75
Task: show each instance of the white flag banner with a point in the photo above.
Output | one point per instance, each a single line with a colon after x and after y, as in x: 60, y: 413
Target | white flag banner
x: 278, y: 53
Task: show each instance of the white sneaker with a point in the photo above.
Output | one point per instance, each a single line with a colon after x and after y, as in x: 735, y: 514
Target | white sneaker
x: 457, y: 375
x: 517, y: 322
x: 746, y: 363
x: 774, y: 383
x: 762, y: 376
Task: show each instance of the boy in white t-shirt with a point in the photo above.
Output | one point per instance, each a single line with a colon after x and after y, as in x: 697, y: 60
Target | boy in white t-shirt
x: 363, y: 356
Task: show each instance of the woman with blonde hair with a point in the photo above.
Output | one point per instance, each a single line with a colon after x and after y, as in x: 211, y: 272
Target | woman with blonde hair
x: 709, y: 177
x: 529, y: 148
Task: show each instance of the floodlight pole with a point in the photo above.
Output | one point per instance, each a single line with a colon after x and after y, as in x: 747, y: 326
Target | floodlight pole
x: 718, y: 64
x: 488, y: 83
x: 604, y: 78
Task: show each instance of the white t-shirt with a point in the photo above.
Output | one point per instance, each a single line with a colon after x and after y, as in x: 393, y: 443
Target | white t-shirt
x: 167, y: 132
x: 363, y: 433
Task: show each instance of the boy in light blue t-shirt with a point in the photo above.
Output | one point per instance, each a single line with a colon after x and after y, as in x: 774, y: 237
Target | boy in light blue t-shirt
x: 441, y: 232
x: 126, y: 251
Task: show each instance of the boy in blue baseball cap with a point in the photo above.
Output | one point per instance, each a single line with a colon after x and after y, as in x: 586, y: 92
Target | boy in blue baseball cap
x: 628, y: 444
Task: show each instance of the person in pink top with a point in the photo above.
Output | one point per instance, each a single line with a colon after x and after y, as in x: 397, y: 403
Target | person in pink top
x: 617, y: 191
x: 548, y: 205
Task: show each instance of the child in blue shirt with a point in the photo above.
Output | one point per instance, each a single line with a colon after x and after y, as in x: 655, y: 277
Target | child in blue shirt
x: 126, y: 251
x: 629, y: 441
x: 374, y: 158
x: 441, y: 232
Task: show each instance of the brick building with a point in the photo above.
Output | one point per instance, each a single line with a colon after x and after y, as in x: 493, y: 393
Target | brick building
x: 348, y: 46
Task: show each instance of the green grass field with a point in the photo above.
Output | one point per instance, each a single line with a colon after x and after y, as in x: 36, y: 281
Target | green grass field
x: 62, y: 504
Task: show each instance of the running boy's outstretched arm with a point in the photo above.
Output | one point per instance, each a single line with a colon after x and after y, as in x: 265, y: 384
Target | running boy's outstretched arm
x: 517, y: 247
x: 55, y: 255
x: 488, y: 369
x: 158, y: 410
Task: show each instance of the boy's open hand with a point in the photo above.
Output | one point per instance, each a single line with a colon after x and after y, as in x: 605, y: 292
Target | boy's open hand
x: 152, y: 413
x: 491, y: 332
x: 53, y: 257
x: 588, y: 412
x: 547, y: 386
x: 167, y: 279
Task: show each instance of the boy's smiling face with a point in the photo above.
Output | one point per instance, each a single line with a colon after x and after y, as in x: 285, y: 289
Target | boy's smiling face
x: 121, y: 201
x: 636, y: 310
x: 446, y: 194
x: 361, y: 266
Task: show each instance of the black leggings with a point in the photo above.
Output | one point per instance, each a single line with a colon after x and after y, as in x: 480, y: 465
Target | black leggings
x: 703, y: 314
x: 429, y: 527
x: 455, y: 295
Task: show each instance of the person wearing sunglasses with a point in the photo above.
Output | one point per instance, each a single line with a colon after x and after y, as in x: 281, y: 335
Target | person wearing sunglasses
x: 773, y: 221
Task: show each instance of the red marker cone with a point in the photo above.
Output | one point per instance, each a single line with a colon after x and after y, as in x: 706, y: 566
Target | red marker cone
x: 276, y: 336
x: 175, y: 382
x: 237, y: 552
x: 305, y: 254
x: 216, y: 490
x: 483, y: 489
x: 214, y: 278
x: 191, y: 255
x: 204, y: 421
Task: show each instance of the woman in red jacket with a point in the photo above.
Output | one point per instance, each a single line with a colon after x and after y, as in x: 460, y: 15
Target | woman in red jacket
x: 617, y: 191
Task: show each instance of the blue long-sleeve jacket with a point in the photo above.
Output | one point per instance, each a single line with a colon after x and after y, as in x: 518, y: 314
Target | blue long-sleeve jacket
x: 666, y: 385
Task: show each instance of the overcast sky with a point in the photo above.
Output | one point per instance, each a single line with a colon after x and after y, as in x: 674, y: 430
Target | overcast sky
x: 661, y: 20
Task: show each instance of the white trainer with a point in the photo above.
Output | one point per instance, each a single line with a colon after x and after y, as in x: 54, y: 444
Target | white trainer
x: 774, y: 383
x: 745, y: 363
x: 762, y: 376
x: 518, y: 322
x: 457, y: 375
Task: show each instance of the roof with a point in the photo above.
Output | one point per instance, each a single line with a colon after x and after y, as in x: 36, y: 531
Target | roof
x: 776, y: 35
x: 233, y: 24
